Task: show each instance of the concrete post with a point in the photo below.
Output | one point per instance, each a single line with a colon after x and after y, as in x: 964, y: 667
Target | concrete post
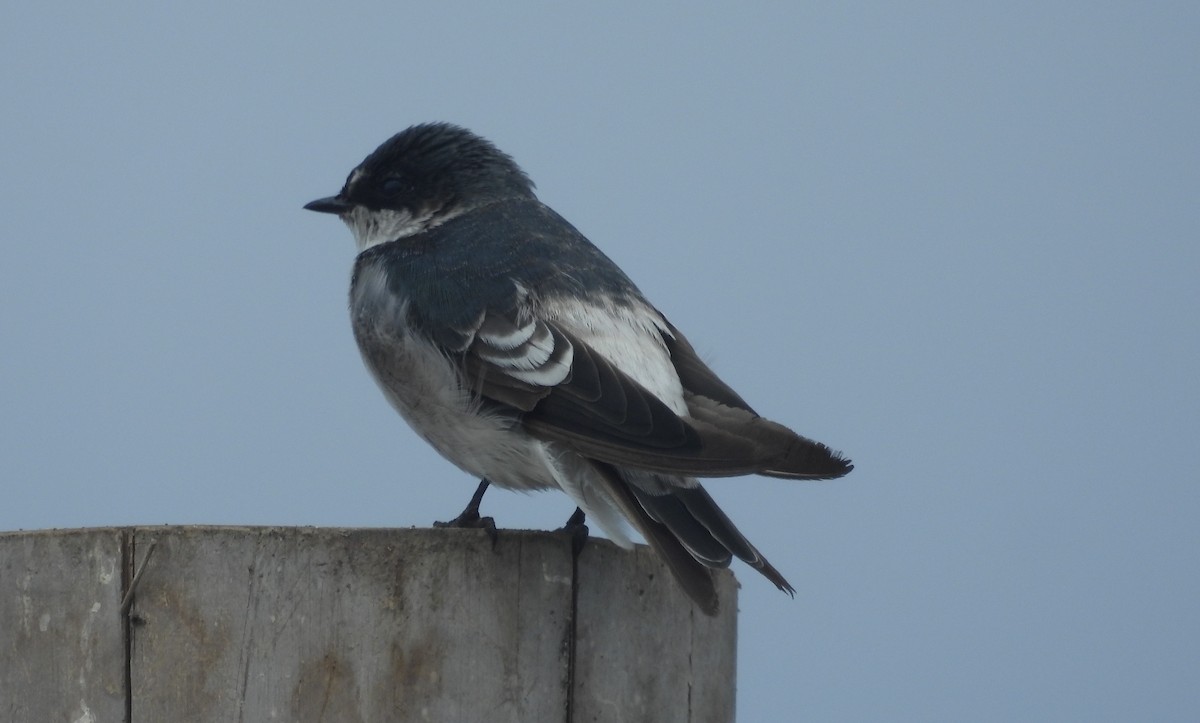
x: 308, y: 624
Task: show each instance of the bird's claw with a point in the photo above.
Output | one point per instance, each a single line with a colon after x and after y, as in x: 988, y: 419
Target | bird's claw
x: 578, y: 530
x: 469, y: 518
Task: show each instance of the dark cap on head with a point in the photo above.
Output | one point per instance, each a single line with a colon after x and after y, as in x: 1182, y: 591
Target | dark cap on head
x: 434, y: 167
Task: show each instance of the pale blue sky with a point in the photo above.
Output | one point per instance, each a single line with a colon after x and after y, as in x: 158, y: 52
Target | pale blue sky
x: 960, y: 243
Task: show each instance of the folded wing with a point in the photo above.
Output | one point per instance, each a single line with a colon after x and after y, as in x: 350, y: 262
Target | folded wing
x: 570, y: 393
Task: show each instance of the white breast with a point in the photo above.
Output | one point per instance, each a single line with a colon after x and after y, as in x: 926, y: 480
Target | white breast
x: 425, y: 388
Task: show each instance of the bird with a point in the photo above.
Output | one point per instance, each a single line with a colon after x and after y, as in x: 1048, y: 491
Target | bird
x: 526, y: 357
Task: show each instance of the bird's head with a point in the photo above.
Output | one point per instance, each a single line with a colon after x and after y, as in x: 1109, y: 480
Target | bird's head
x: 420, y: 178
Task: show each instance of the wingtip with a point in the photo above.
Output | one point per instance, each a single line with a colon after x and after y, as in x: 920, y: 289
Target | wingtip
x: 812, y: 461
x: 846, y: 465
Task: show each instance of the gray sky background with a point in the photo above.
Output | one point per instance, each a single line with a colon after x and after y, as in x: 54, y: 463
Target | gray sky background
x: 961, y: 244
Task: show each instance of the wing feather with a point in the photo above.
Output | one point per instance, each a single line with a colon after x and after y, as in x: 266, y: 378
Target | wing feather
x: 571, y: 393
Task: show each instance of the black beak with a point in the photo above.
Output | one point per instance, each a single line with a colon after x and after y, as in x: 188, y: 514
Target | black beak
x: 329, y: 204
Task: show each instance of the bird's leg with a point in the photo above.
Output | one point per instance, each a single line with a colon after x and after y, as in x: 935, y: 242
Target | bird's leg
x: 470, y: 518
x: 577, y: 529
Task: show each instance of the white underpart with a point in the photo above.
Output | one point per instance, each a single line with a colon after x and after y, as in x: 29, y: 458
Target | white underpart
x: 426, y: 389
x: 578, y: 478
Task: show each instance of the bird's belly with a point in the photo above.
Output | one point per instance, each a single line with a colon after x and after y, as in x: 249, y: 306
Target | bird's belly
x: 425, y: 388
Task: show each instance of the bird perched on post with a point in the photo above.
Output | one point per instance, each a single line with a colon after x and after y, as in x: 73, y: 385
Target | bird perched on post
x: 526, y: 357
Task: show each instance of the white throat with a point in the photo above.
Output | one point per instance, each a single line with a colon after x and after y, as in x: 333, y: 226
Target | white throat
x: 374, y: 227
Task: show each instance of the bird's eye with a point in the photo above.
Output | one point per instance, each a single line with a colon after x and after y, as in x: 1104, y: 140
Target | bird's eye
x: 392, y: 186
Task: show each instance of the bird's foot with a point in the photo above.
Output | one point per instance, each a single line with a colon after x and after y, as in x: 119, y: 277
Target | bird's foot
x: 469, y: 518
x: 578, y: 530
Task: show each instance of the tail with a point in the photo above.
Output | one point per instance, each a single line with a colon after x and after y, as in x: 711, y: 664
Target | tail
x: 706, y: 532
x: 688, y: 530
x: 694, y: 577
